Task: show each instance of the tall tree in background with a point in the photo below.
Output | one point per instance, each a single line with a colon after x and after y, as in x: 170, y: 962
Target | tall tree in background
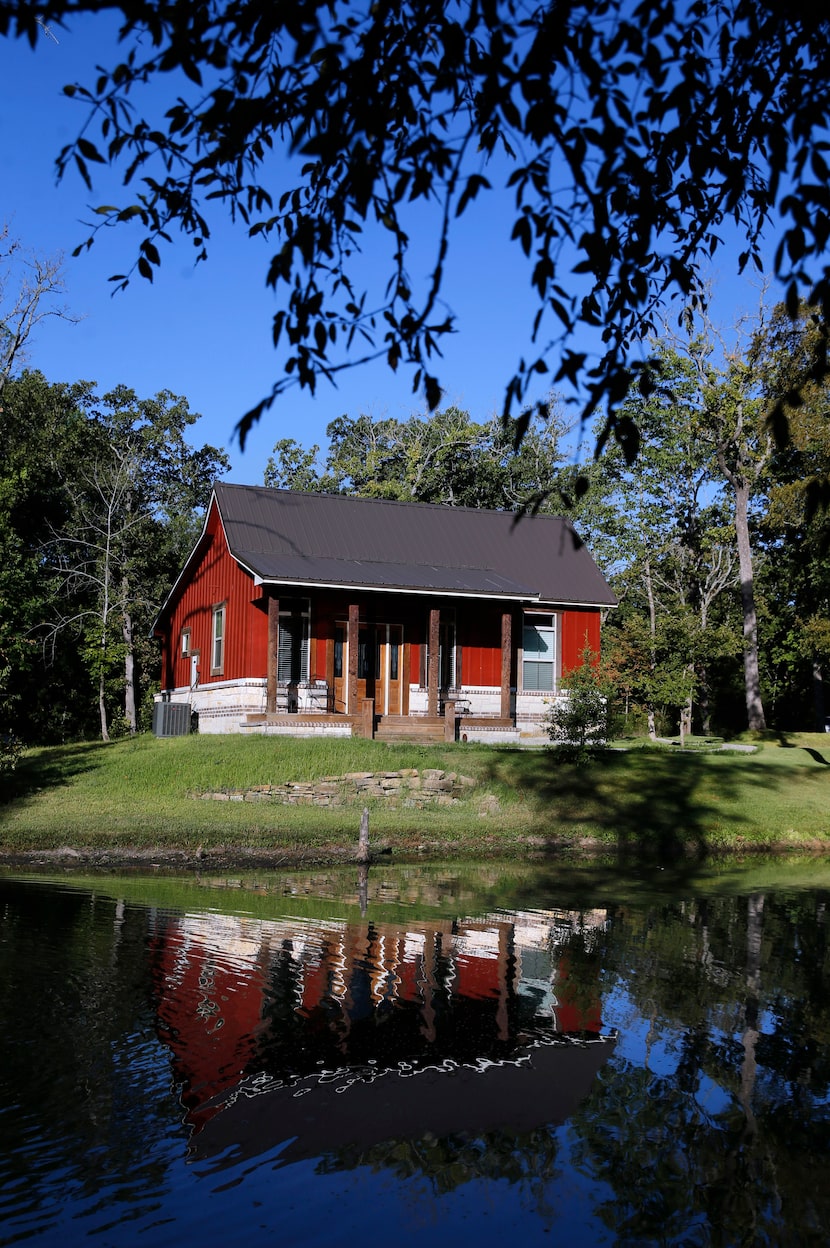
x: 100, y: 502
x: 41, y: 453
x: 135, y: 502
x: 444, y: 458
x: 791, y: 356
x: 628, y: 136
x: 658, y: 530
x: 742, y: 444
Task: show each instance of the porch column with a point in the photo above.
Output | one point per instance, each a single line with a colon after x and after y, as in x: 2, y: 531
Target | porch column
x: 352, y: 641
x: 432, y: 668
x: 273, y: 645
x: 506, y: 661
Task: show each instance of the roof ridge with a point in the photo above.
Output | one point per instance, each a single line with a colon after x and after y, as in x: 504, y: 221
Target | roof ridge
x: 518, y: 514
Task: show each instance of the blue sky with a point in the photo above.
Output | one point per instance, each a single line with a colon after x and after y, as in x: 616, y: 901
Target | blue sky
x: 204, y: 331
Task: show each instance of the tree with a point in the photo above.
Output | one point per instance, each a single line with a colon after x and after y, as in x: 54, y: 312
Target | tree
x: 443, y: 458
x: 101, y: 499
x: 28, y: 286
x: 136, y: 500
x: 580, y: 718
x: 660, y: 529
x: 790, y: 355
x: 40, y: 454
x: 631, y: 137
x: 743, y: 446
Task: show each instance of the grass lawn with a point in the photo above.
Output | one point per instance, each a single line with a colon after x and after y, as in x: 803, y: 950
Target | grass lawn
x: 137, y: 796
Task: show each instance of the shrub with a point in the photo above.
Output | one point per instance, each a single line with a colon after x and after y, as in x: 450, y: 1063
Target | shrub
x: 11, y: 747
x: 579, y: 719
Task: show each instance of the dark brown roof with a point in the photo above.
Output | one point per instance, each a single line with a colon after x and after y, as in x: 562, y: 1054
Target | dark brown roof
x: 284, y: 537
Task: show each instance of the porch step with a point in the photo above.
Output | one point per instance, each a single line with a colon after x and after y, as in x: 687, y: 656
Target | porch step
x: 409, y: 728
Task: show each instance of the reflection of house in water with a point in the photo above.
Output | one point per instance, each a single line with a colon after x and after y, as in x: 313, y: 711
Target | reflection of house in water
x: 279, y: 1002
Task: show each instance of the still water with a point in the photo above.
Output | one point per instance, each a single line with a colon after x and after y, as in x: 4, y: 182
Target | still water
x: 430, y: 1055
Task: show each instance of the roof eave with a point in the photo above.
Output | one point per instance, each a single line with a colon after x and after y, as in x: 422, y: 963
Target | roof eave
x: 368, y: 587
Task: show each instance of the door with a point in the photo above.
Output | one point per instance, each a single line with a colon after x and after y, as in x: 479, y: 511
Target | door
x: 379, y: 668
x: 340, y: 668
x: 390, y: 656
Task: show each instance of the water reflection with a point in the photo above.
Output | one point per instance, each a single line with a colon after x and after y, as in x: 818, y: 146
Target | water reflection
x: 183, y: 1071
x: 295, y: 1014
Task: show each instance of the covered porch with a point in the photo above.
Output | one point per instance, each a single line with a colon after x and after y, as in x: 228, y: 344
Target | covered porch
x: 384, y: 667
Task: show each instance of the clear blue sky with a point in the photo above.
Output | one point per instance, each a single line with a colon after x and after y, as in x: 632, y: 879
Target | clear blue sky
x: 204, y: 331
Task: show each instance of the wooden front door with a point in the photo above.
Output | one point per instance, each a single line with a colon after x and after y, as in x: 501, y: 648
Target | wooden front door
x: 341, y: 668
x: 379, y: 667
x: 388, y: 683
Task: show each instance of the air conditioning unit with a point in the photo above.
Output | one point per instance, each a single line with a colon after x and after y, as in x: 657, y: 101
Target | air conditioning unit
x: 171, y: 719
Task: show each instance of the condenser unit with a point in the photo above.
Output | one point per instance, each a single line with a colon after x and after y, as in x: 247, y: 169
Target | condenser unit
x: 171, y: 719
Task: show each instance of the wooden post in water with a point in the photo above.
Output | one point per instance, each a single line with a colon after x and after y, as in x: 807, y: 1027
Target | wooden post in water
x: 363, y: 840
x: 363, y: 887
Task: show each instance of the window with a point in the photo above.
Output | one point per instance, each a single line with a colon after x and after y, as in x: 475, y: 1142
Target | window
x: 185, y: 642
x: 217, y: 650
x: 539, y: 653
x: 292, y: 653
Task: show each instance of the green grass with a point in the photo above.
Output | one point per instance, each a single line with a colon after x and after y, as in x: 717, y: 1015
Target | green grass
x: 134, y: 795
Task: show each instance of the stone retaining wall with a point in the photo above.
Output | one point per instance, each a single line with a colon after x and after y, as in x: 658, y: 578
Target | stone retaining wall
x: 408, y: 788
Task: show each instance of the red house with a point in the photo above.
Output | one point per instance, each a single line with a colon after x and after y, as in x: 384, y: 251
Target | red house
x: 323, y: 613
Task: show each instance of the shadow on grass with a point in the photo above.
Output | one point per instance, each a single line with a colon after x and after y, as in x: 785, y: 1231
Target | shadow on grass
x: 652, y: 806
x: 48, y: 768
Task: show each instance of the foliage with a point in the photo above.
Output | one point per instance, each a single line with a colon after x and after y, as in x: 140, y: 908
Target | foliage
x: 661, y: 527
x: 630, y: 137
x: 579, y: 717
x: 794, y: 533
x: 11, y: 748
x: 443, y: 458
x: 40, y: 453
x: 100, y: 502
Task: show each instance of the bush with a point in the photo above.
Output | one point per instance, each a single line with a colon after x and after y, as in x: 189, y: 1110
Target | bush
x: 579, y: 719
x: 11, y: 748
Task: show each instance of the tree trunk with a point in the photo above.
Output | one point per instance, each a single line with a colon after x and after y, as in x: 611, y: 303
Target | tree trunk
x: 102, y: 706
x: 752, y: 680
x: 685, y: 721
x: 818, y: 695
x: 652, y: 622
x: 129, y: 671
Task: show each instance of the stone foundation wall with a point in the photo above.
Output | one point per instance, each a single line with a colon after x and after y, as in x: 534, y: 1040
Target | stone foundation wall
x: 409, y: 788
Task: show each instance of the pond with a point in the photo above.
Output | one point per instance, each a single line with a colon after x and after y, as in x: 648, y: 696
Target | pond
x: 456, y: 1055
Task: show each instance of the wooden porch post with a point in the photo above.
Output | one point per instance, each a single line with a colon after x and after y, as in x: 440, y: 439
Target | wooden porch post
x: 432, y: 668
x: 273, y: 647
x: 506, y: 661
x: 352, y: 641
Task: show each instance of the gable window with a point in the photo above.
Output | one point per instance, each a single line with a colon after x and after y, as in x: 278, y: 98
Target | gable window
x: 217, y: 648
x: 293, y: 648
x: 539, y: 653
x: 185, y: 642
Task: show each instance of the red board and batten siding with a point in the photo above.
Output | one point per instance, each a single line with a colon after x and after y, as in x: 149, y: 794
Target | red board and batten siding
x: 217, y: 578
x: 481, y: 653
x: 577, y: 628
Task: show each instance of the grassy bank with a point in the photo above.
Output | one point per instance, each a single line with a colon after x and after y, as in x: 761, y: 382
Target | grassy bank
x: 136, y: 796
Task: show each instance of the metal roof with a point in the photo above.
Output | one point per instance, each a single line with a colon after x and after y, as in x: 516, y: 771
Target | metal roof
x: 287, y: 537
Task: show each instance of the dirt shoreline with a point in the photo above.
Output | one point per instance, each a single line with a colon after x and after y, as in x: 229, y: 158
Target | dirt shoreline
x: 241, y: 859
